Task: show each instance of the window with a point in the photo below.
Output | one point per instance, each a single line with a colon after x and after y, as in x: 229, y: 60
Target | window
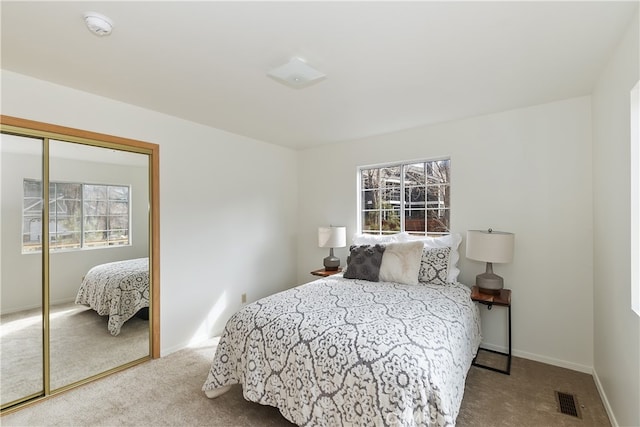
x: 412, y: 197
x: 80, y: 215
x: 635, y: 198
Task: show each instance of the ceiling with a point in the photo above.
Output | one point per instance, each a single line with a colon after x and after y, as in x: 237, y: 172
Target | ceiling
x: 389, y: 65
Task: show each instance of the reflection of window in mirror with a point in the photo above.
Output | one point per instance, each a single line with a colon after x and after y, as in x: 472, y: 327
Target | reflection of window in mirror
x: 80, y: 215
x: 635, y: 198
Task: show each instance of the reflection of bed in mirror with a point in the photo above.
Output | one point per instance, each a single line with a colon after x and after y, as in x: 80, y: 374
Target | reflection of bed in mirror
x: 118, y: 289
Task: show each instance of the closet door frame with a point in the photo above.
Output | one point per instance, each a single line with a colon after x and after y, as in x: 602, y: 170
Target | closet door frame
x: 46, y: 131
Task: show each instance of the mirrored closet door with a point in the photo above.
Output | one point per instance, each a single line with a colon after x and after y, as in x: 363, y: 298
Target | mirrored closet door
x: 84, y: 302
x: 21, y: 310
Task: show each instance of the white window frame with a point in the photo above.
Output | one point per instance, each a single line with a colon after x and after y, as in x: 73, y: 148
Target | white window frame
x: 401, y: 164
x: 83, y: 245
x: 635, y: 196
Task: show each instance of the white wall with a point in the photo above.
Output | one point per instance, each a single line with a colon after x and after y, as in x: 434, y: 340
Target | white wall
x: 21, y: 274
x: 527, y: 171
x: 228, y: 204
x: 616, y: 326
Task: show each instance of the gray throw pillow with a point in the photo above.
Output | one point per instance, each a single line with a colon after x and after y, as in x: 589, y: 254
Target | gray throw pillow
x: 363, y: 262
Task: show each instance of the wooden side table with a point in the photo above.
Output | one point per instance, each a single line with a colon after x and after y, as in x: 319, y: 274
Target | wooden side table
x: 502, y: 299
x: 326, y: 273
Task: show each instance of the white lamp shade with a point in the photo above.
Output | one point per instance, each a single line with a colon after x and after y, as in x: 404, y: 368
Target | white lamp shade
x: 490, y: 246
x: 332, y: 237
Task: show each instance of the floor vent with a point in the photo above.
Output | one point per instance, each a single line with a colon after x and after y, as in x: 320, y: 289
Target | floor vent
x: 567, y: 404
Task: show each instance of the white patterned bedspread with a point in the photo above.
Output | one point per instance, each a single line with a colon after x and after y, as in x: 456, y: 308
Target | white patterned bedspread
x: 117, y: 289
x: 339, y: 352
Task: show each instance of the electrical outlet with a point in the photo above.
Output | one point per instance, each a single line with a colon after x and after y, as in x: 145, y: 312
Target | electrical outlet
x: 243, y: 298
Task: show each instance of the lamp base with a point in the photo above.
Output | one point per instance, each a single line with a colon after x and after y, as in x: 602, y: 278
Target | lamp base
x: 489, y: 283
x: 331, y: 263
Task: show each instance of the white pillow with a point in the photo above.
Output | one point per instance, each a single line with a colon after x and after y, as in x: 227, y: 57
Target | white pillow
x: 451, y: 240
x: 374, y: 239
x: 401, y: 263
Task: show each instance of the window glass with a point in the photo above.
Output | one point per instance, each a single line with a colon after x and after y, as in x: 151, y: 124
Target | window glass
x: 412, y: 197
x: 65, y: 215
x: 80, y: 215
x: 635, y: 197
x: 31, y: 215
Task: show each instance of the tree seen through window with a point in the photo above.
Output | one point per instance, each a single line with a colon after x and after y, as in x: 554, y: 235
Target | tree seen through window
x: 80, y: 215
x: 412, y: 197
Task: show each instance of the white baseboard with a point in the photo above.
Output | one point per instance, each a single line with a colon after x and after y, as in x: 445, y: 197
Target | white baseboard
x: 605, y: 401
x: 164, y: 352
x: 194, y: 341
x: 22, y: 308
x: 36, y: 306
x: 543, y: 359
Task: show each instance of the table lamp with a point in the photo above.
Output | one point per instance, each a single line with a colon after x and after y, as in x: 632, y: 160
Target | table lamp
x: 332, y: 237
x: 490, y: 246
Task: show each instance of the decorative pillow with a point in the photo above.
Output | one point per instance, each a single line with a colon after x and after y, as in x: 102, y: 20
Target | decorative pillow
x: 434, y: 267
x: 451, y: 241
x: 375, y: 239
x: 401, y: 263
x: 363, y: 262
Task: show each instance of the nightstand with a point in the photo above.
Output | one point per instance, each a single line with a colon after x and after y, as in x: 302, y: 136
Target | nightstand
x: 502, y: 299
x: 326, y: 273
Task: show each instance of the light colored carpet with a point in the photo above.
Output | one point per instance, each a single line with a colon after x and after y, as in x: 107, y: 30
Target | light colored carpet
x: 81, y: 346
x: 167, y: 392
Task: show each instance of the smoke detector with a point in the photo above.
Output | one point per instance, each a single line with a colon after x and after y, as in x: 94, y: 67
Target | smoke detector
x: 98, y: 24
x: 296, y: 73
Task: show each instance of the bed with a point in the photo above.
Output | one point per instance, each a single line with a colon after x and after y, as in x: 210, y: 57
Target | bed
x: 118, y: 289
x: 348, y: 351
